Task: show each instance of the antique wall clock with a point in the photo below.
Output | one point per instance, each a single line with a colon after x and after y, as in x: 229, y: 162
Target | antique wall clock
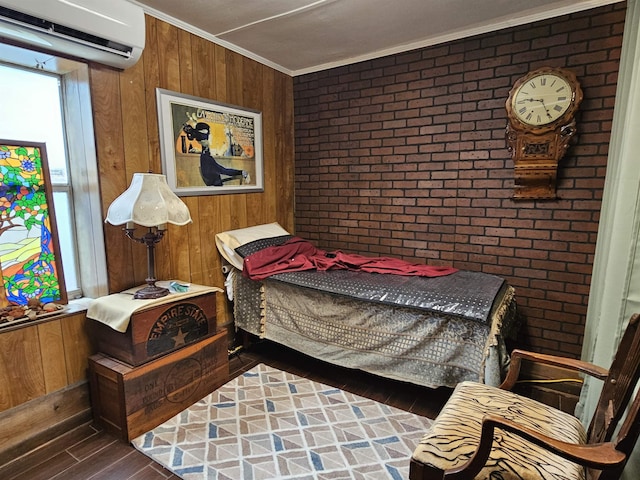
x: 541, y: 111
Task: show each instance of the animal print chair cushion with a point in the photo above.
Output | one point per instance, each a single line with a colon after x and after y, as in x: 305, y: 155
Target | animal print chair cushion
x: 455, y: 433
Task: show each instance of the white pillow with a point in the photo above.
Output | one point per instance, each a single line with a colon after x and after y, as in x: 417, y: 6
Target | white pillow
x: 228, y: 241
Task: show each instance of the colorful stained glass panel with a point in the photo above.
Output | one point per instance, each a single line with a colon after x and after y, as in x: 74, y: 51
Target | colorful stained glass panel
x: 29, y: 254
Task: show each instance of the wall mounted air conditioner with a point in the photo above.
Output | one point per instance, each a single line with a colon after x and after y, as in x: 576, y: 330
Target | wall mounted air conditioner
x: 111, y: 32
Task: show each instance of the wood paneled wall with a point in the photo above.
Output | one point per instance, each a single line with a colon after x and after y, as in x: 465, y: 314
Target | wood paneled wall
x: 127, y: 138
x: 40, y: 359
x: 42, y: 376
x: 39, y: 362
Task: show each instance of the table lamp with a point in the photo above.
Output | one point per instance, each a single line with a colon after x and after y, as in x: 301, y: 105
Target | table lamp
x: 150, y: 203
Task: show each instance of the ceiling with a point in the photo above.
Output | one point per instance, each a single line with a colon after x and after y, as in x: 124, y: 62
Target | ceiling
x: 303, y: 36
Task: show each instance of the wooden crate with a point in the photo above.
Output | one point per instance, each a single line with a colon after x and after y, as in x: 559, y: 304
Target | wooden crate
x: 129, y: 401
x: 158, y: 330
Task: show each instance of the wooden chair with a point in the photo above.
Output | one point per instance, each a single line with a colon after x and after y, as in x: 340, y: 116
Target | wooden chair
x: 490, y: 433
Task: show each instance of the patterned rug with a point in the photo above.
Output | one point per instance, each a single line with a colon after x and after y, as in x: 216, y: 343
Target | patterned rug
x: 270, y: 424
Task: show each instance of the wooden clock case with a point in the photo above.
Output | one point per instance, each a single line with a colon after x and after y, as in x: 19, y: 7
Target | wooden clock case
x: 537, y: 149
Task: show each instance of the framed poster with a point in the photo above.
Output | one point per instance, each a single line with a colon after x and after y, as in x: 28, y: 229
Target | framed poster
x: 30, y: 258
x: 207, y: 147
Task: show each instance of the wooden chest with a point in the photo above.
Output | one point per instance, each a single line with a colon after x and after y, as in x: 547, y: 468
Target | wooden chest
x: 158, y: 330
x: 129, y: 401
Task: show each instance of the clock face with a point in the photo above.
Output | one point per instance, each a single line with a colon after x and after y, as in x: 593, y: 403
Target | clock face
x: 542, y: 99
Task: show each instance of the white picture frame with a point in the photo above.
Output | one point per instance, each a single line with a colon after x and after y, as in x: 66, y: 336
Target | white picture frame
x: 207, y: 147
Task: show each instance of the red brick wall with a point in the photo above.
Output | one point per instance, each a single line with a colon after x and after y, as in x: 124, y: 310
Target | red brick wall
x: 405, y: 156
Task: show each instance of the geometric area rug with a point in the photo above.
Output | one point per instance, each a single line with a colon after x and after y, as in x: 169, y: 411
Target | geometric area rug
x: 270, y: 424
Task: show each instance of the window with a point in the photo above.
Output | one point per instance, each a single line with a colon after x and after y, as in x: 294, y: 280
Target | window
x: 51, y: 104
x: 32, y: 102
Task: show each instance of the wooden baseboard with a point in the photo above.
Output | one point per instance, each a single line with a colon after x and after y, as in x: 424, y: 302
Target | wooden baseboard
x: 38, y: 421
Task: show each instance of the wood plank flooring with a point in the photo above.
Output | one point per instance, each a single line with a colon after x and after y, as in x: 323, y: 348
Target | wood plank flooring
x: 89, y: 453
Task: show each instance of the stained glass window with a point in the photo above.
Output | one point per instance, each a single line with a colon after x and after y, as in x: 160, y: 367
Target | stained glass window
x: 29, y: 253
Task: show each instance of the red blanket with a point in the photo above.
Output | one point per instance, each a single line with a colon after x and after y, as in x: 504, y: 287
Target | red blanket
x: 297, y: 255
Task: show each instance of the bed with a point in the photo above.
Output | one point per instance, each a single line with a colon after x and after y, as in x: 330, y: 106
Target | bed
x: 431, y: 331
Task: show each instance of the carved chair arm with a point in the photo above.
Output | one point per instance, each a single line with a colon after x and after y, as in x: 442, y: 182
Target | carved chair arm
x: 569, y: 363
x: 598, y: 456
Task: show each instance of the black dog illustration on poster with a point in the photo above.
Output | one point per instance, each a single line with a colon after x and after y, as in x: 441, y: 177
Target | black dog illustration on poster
x: 213, y: 174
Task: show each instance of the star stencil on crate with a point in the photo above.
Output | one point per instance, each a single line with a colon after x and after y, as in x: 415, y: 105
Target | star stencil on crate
x: 179, y: 338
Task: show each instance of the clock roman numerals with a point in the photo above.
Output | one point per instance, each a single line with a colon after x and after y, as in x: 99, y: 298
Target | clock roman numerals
x: 542, y: 99
x: 543, y: 81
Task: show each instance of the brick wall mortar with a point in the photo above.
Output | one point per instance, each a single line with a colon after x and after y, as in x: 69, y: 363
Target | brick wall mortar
x: 405, y: 156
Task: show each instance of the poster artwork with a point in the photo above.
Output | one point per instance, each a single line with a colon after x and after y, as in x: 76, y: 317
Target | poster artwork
x: 213, y: 148
x: 209, y: 148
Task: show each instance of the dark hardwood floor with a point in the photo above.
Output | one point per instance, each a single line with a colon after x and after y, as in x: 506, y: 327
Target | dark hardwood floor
x: 89, y: 453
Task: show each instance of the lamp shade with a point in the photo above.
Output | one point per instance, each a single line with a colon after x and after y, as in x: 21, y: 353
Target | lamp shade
x: 148, y: 202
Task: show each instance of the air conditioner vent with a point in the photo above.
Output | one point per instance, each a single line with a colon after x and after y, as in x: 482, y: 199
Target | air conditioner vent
x: 52, y: 28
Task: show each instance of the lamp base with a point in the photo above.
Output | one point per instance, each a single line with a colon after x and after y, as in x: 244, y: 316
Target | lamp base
x: 150, y: 292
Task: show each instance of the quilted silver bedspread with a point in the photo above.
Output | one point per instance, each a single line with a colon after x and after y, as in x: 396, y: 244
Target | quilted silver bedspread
x: 423, y: 346
x: 463, y: 294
